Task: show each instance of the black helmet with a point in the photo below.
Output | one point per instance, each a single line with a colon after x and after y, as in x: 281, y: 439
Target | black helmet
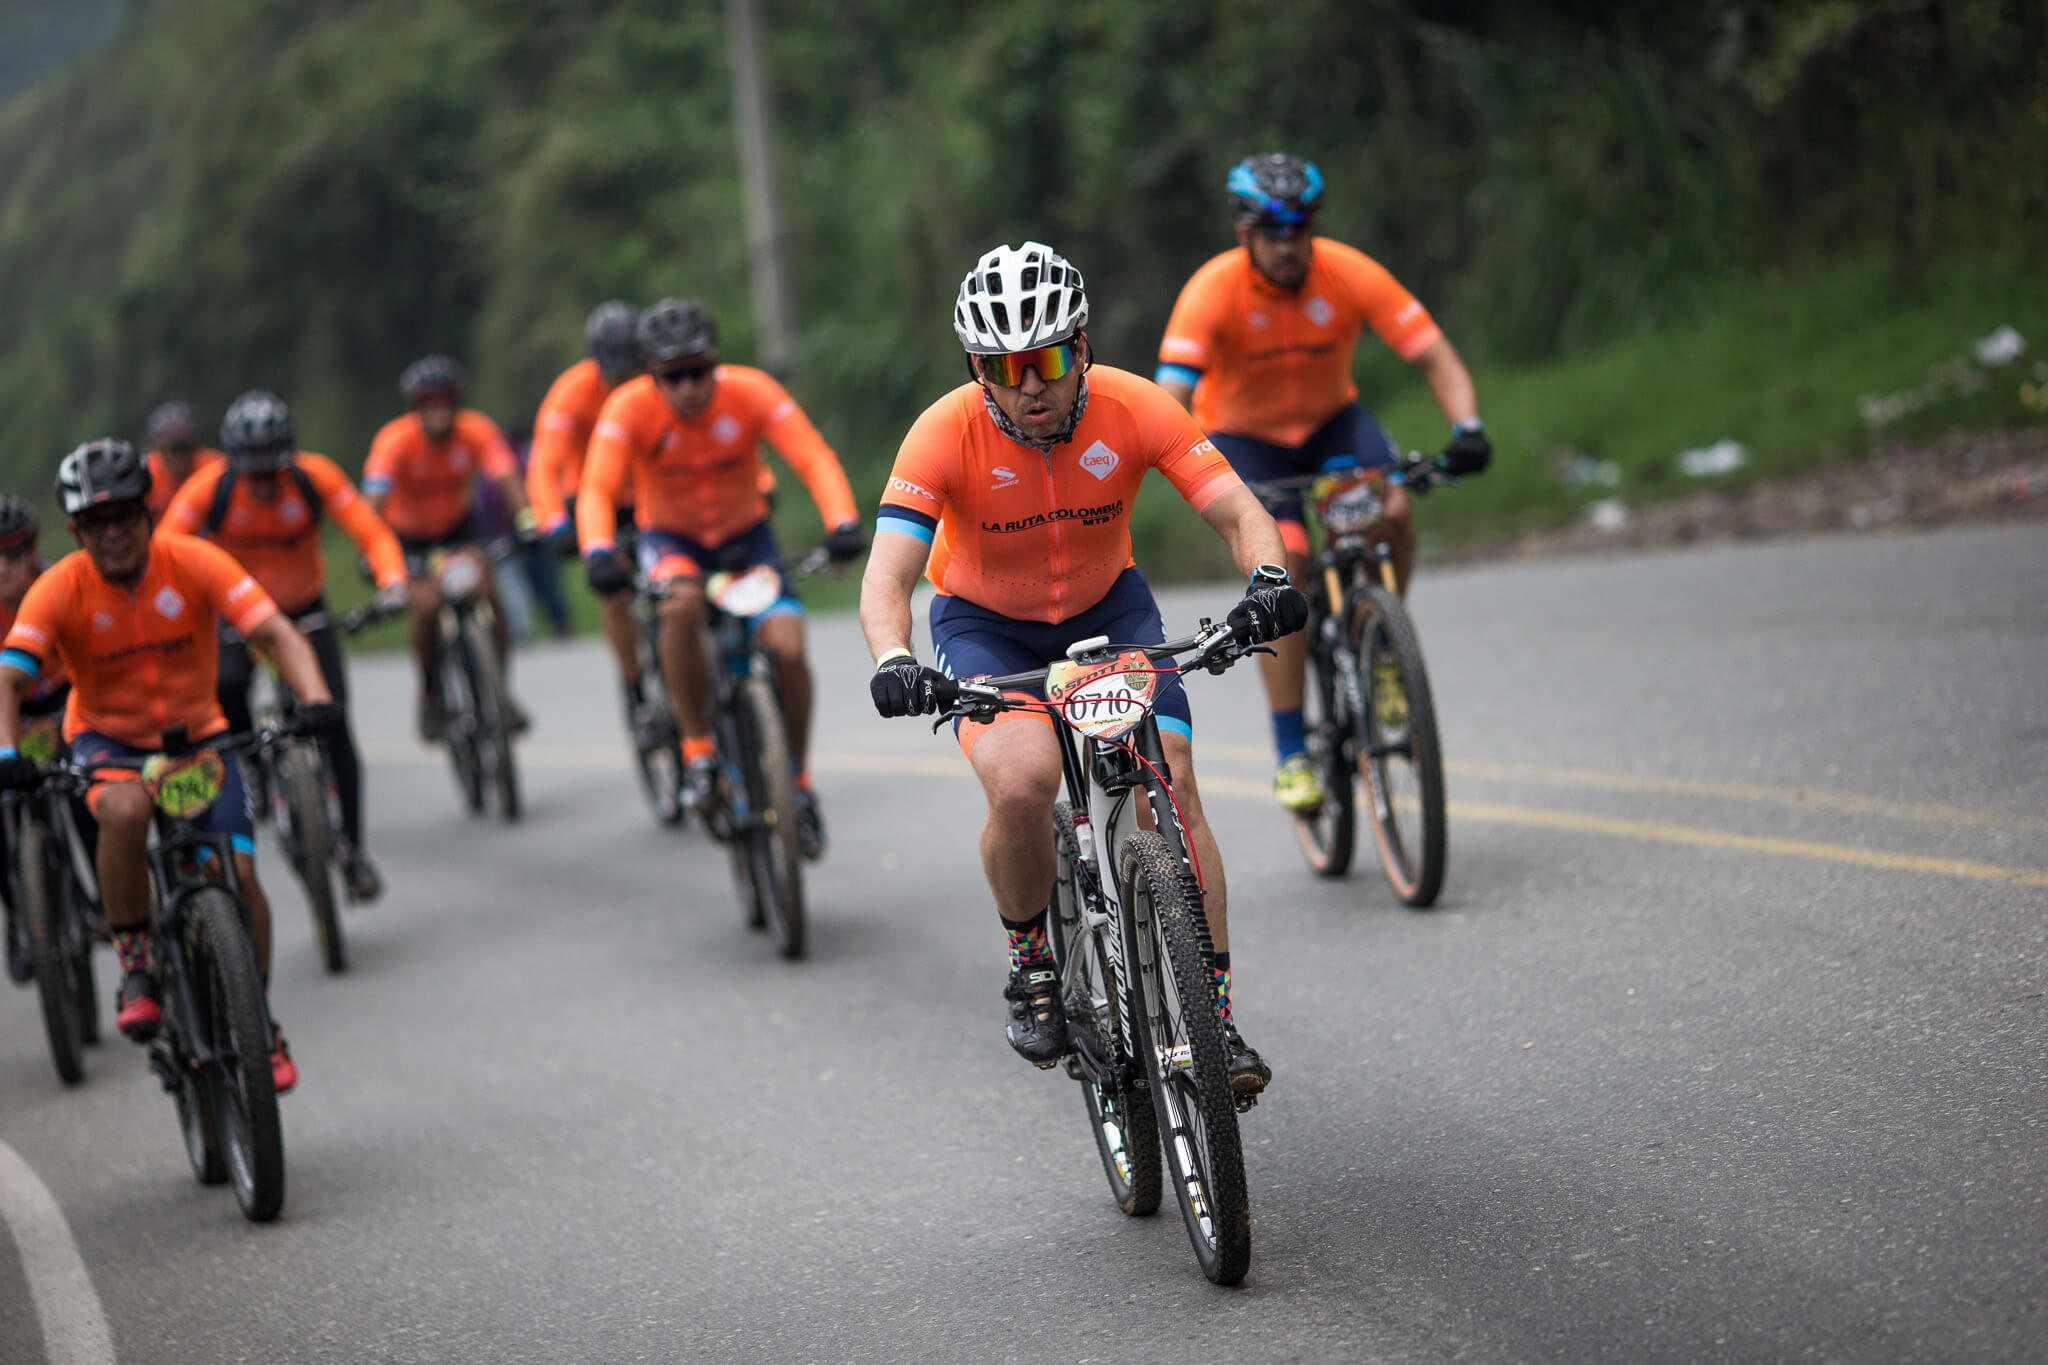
x: 257, y: 433
x: 433, y: 376
x: 100, y: 472
x: 674, y: 328
x: 1275, y: 190
x: 172, y: 424
x: 610, y: 334
x: 19, y: 524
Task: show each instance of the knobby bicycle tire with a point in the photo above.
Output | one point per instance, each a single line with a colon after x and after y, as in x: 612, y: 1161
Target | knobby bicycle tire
x: 496, y: 729
x: 49, y: 941
x: 459, y: 719
x: 660, y: 767
x: 1126, y: 1133
x: 1412, y: 858
x: 1181, y: 1031
x: 771, y: 796
x: 1329, y: 835
x: 245, y: 1100
x: 305, y: 798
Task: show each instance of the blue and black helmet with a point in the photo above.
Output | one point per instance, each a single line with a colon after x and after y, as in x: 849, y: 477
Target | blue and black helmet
x: 1275, y: 190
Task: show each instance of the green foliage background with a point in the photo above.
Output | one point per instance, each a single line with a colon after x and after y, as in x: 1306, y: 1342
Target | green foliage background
x: 306, y: 194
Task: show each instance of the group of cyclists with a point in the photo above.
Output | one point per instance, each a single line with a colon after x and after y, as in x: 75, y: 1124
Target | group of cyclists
x: 1012, y: 494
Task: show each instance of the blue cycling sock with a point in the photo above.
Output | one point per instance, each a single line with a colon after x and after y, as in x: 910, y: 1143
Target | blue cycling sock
x: 1290, y: 736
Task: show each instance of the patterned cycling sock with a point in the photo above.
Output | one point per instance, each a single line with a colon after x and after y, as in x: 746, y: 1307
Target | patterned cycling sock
x: 131, y: 946
x: 1028, y: 943
x: 1290, y: 734
x: 1223, y: 985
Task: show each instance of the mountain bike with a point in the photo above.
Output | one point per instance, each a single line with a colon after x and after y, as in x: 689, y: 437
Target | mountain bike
x: 56, y: 893
x: 1131, y: 937
x: 477, y: 715
x: 1369, y: 710
x: 753, y: 811
x: 213, y: 1053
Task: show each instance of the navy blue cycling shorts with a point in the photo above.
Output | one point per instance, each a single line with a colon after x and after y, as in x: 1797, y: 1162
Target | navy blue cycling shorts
x: 233, y: 813
x: 973, y: 642
x: 1353, y: 432
x: 664, y: 554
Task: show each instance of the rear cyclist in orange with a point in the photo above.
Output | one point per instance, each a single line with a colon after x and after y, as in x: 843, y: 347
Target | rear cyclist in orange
x: 175, y: 453
x: 265, y: 507
x: 419, y: 478
x: 687, y: 436
x: 1261, y: 344
x: 134, y: 618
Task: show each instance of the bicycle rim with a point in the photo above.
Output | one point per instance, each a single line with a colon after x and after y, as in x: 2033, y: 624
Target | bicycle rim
x: 1329, y: 835
x: 1120, y: 1116
x: 238, y: 1025
x: 771, y: 787
x: 1182, y: 1035
x: 1401, y: 759
x: 56, y: 981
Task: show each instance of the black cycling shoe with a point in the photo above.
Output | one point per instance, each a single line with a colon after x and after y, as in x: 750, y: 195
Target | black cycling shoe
x: 1249, y: 1074
x: 364, y: 882
x: 433, y: 718
x: 1038, y: 1017
x: 810, y: 826
x: 700, y: 784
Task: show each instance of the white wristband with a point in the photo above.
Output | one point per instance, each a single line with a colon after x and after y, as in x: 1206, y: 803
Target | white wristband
x: 900, y: 652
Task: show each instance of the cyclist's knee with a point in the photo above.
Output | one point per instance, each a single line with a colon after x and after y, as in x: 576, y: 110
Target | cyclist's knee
x: 683, y: 608
x: 122, y: 809
x: 1021, y: 791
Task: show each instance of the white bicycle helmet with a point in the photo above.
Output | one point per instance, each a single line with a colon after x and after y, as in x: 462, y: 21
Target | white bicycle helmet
x: 1019, y: 298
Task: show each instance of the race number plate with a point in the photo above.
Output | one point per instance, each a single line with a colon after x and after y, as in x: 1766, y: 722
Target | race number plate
x: 1347, y: 506
x: 745, y: 594
x: 184, y: 787
x: 459, y: 575
x: 1105, y: 701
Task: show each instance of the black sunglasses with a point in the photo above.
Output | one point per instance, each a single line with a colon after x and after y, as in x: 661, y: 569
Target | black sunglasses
x: 21, y: 550
x: 114, y: 514
x: 684, y: 373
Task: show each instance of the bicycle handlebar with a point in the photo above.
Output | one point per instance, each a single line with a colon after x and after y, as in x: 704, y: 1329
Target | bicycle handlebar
x: 797, y: 566
x: 1416, y: 471
x: 70, y: 774
x: 1216, y: 648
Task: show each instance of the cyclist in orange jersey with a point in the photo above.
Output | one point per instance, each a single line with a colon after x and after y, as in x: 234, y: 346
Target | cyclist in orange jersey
x: 687, y: 436
x: 20, y: 565
x: 1013, y: 495
x: 265, y: 506
x: 420, y: 478
x: 134, y: 619
x: 175, y: 453
x: 1261, y: 344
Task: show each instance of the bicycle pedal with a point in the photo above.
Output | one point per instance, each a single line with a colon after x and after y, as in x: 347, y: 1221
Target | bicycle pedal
x: 1245, y: 1103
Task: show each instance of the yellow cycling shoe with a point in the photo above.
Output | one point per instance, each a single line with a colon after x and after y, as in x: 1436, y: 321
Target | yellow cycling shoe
x: 1298, y: 785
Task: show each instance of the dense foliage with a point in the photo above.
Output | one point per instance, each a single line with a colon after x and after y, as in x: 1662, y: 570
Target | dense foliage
x: 306, y: 194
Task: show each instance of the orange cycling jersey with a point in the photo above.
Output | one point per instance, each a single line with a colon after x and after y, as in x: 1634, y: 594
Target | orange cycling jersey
x: 142, y: 659
x: 1275, y: 364
x: 561, y: 431
x: 1042, y: 537
x: 162, y: 487
x: 52, y: 677
x: 278, y: 541
x: 702, y: 479
x: 426, y: 485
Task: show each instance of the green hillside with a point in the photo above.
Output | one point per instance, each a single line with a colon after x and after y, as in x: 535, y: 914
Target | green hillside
x: 1648, y: 231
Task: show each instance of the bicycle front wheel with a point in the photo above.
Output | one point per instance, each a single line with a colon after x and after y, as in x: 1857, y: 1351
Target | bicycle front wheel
x: 1098, y: 1001
x: 56, y: 973
x: 1329, y: 834
x: 1400, y: 758
x: 494, y: 726
x: 238, y: 1024
x: 771, y: 830
x: 460, y: 720
x: 660, y: 763
x: 304, y: 794
x: 1182, y: 1042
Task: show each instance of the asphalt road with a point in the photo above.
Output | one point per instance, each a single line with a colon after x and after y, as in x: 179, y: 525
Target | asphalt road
x: 1726, y: 1042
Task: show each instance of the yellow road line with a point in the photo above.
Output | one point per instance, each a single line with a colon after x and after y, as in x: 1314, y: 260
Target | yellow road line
x: 951, y: 765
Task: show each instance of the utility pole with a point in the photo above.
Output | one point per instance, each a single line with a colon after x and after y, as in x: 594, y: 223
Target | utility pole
x: 773, y: 320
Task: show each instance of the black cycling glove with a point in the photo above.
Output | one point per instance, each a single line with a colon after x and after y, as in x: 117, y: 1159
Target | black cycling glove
x: 321, y: 718
x: 606, y: 575
x: 904, y: 687
x: 562, y: 540
x: 846, y: 542
x: 1272, y: 607
x: 1469, y: 451
x: 18, y: 774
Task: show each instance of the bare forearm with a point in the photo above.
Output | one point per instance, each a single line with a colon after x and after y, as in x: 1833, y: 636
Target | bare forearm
x: 1247, y: 528
x: 1450, y: 381
x: 884, y: 613
x: 14, y: 686
x: 296, y: 662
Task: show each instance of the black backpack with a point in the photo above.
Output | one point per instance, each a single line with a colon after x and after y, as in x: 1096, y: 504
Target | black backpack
x: 224, y: 493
